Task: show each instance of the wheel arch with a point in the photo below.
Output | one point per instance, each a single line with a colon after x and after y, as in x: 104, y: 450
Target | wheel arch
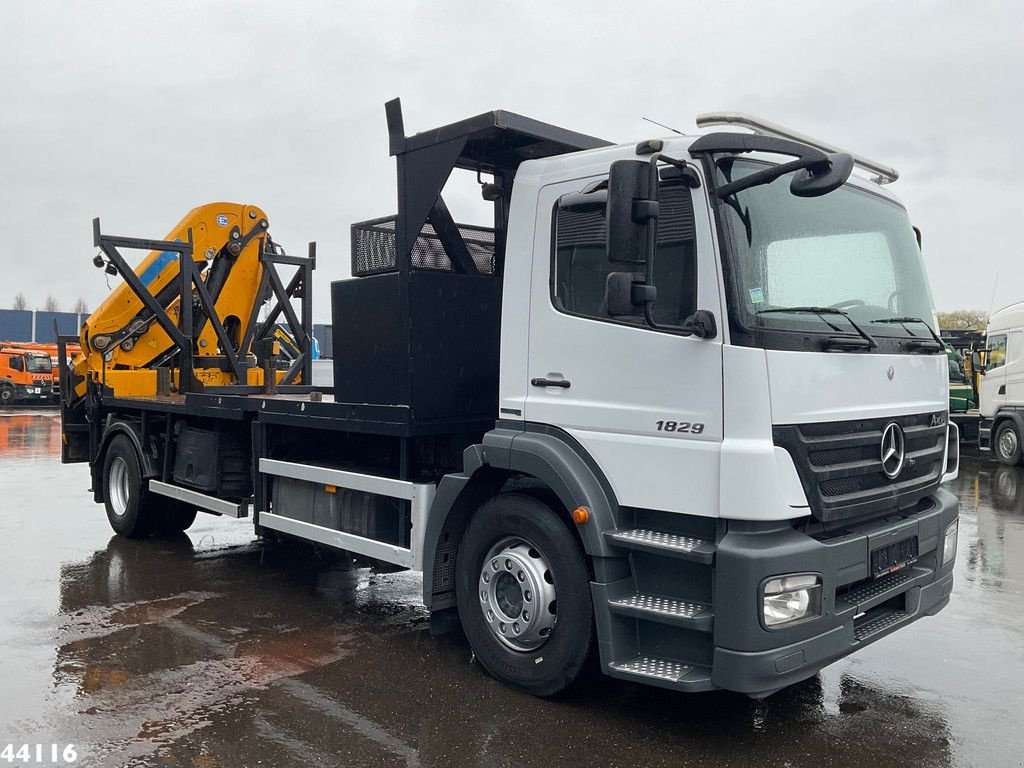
x: 549, y: 456
x: 131, y: 430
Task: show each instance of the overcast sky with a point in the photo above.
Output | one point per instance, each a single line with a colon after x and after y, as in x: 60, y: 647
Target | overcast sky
x: 137, y: 112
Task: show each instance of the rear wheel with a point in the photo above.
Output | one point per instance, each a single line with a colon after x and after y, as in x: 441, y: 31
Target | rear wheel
x: 1006, y: 443
x: 129, y: 506
x: 524, y: 596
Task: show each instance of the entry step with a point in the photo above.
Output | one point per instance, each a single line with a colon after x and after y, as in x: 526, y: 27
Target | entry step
x: 662, y: 543
x: 878, y: 591
x: 882, y: 623
x: 667, y: 610
x: 673, y: 673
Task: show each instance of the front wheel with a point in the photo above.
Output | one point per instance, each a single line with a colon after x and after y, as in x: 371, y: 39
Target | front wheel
x: 7, y: 395
x: 1006, y: 444
x: 523, y: 595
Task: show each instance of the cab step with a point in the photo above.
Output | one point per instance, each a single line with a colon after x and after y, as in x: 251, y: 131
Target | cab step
x: 876, y: 592
x: 667, y: 610
x: 662, y: 543
x: 671, y: 674
x: 878, y: 623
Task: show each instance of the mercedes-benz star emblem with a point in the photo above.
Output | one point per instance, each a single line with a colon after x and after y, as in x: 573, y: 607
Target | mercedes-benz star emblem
x: 893, y: 450
x: 891, y: 372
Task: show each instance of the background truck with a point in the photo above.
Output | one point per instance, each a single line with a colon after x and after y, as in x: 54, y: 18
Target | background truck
x: 1001, y: 389
x: 676, y: 408
x: 961, y: 390
x: 26, y: 375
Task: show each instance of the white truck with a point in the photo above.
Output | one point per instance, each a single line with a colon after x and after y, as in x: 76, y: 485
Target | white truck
x: 1001, y: 392
x: 680, y: 408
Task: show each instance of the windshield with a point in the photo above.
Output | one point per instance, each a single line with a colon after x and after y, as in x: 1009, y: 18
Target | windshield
x: 956, y: 372
x: 37, y: 364
x: 849, y: 249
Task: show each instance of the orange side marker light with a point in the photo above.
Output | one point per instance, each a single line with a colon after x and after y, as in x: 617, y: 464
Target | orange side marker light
x: 580, y: 515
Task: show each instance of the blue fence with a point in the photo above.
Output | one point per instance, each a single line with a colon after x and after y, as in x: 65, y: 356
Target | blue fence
x: 323, y: 335
x: 15, y: 325
x: 67, y: 325
x: 26, y: 325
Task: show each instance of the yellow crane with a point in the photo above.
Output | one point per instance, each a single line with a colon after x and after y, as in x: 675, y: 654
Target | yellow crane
x: 141, y: 340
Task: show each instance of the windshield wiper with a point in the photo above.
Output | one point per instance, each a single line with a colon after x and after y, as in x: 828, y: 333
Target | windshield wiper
x: 838, y: 343
x: 919, y: 344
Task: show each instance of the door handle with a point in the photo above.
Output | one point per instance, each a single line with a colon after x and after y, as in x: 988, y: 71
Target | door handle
x: 550, y: 383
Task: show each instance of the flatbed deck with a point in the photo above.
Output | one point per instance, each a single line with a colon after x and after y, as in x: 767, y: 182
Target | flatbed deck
x: 299, y: 410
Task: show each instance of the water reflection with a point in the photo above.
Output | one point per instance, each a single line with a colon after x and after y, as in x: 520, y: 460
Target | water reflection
x: 172, y: 649
x: 29, y: 434
x: 994, y: 495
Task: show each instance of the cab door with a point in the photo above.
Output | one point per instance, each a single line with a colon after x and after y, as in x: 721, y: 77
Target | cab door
x: 645, y: 403
x: 993, y: 383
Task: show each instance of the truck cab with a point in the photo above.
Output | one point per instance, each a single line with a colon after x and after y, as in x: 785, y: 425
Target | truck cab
x: 25, y: 376
x: 1001, y: 389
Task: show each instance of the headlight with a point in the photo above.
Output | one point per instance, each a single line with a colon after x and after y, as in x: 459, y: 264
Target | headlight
x: 788, y: 599
x: 949, y: 543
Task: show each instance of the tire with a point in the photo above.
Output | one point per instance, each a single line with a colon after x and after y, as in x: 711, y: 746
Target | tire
x: 130, y: 508
x: 537, y: 558
x: 175, y: 518
x: 1006, y: 443
x: 7, y: 395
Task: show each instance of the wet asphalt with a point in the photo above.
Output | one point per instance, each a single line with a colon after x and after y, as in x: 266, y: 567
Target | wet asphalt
x: 215, y: 649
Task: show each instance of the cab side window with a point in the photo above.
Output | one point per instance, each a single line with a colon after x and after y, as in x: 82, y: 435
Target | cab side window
x: 581, y: 266
x: 996, y: 352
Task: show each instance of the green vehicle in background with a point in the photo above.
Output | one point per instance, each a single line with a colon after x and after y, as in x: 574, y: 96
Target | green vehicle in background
x: 961, y: 391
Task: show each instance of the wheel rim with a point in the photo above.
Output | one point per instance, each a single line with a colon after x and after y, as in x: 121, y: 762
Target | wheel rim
x: 1007, y: 443
x: 6, y: 395
x: 117, y: 486
x: 517, y: 594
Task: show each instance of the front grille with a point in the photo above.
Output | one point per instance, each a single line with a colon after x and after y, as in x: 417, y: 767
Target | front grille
x: 840, y: 466
x: 373, y: 248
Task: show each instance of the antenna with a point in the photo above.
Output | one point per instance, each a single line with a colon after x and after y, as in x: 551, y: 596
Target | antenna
x: 662, y: 125
x: 992, y: 301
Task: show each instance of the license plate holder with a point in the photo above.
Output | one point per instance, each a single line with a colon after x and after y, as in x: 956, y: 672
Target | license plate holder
x: 893, y: 557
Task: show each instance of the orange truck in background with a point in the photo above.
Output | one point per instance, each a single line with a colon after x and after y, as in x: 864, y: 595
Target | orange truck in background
x: 51, y: 350
x: 27, y: 373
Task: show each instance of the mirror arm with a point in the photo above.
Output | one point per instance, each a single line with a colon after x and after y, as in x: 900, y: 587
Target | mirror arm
x: 652, y: 242
x: 766, y: 176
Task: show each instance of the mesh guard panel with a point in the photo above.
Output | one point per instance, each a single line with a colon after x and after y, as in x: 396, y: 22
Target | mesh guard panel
x: 373, y: 248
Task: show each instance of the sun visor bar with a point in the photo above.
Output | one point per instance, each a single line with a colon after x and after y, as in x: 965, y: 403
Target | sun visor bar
x: 884, y: 174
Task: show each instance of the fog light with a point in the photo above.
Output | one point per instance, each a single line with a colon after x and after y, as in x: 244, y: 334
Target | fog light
x: 789, y: 599
x: 949, y: 544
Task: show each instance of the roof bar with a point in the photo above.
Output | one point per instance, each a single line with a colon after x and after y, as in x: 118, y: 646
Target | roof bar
x: 884, y: 174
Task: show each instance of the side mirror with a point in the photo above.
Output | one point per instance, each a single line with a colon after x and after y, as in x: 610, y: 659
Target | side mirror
x: 702, y: 324
x: 816, y: 180
x: 632, y: 211
x: 976, y: 363
x: 625, y: 294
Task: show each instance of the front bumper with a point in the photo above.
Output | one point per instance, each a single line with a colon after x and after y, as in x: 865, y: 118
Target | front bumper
x: 34, y: 393
x: 856, y: 609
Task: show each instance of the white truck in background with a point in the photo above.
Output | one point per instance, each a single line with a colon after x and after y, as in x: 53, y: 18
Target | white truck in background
x: 1001, y: 392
